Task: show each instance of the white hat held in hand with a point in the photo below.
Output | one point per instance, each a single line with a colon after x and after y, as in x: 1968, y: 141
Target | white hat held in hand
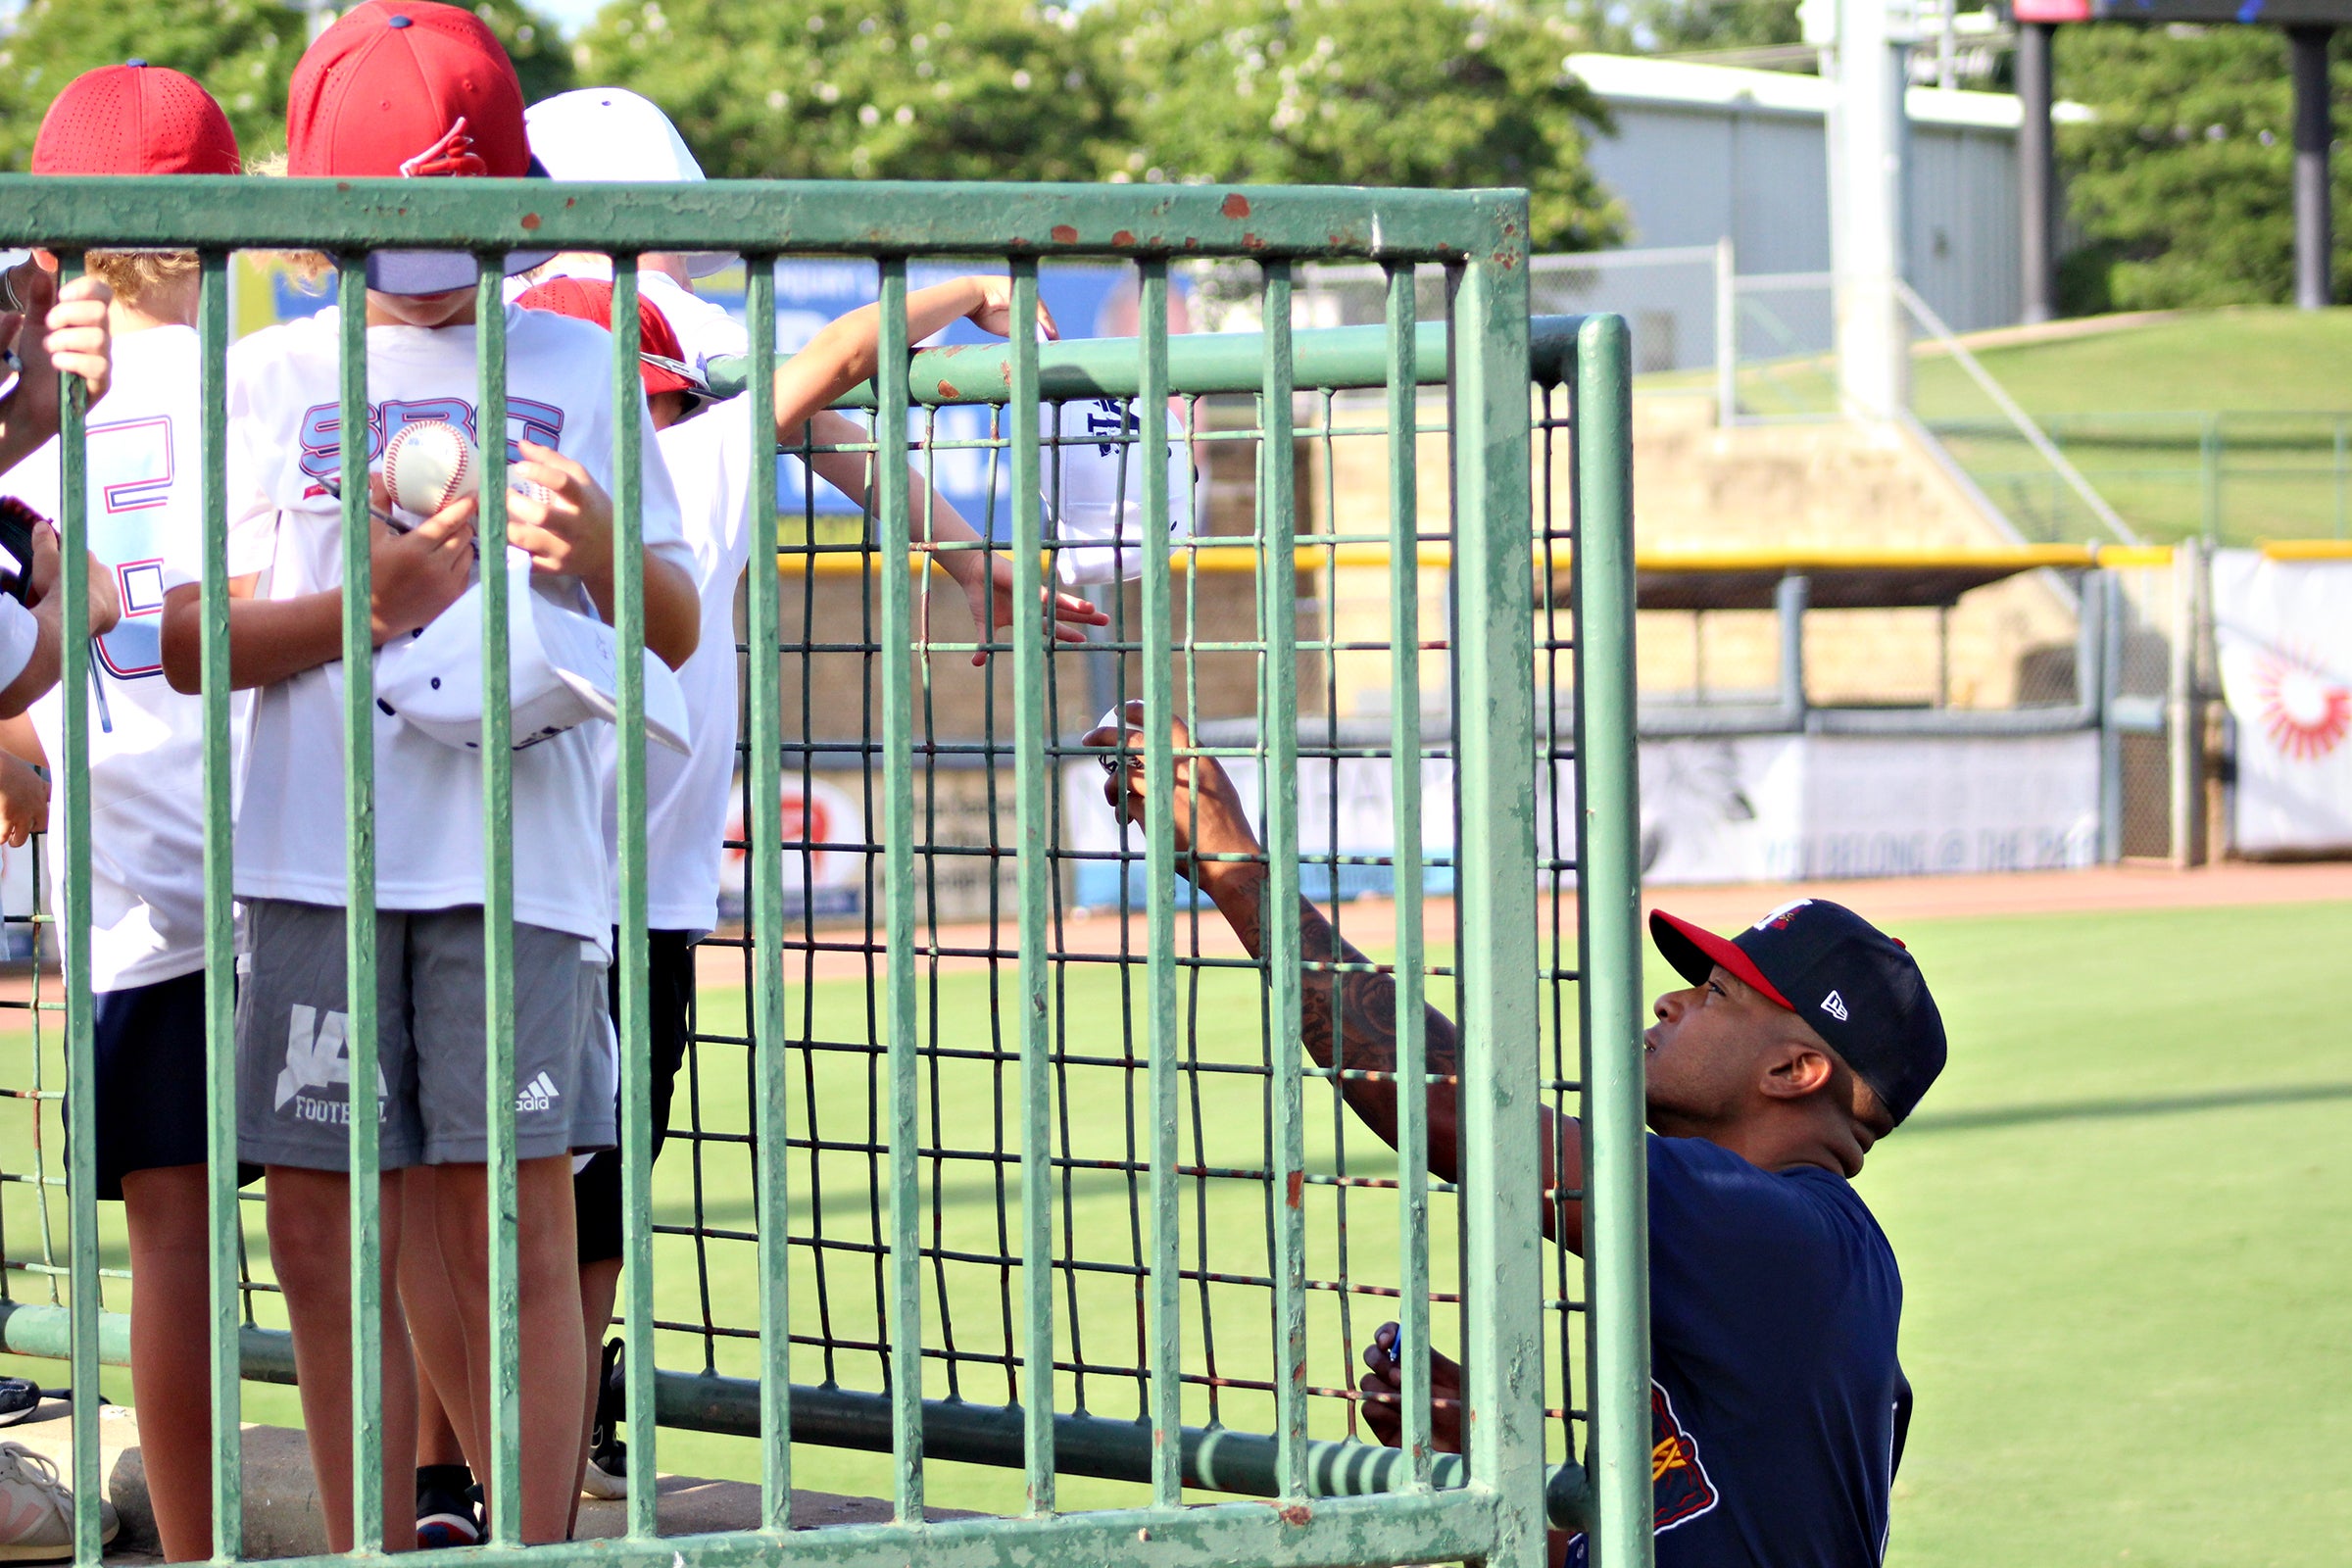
x: 611, y: 134
x: 563, y: 667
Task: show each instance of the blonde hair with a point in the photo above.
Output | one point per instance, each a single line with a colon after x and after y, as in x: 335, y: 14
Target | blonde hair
x: 136, y: 275
x: 310, y: 268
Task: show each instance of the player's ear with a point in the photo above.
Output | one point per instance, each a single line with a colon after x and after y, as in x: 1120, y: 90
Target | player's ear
x: 1792, y: 1070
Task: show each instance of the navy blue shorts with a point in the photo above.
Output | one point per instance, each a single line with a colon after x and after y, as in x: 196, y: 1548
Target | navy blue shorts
x: 151, y: 1091
x: 669, y: 1015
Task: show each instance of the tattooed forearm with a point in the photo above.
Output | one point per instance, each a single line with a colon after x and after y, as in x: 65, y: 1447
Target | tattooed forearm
x: 1348, y: 1021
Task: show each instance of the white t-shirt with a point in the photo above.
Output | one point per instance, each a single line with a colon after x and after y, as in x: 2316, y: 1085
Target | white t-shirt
x: 20, y: 634
x: 145, y: 499
x: 709, y: 458
x: 283, y: 417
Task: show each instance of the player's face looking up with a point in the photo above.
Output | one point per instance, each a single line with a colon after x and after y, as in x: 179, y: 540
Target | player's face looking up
x: 1723, y: 1061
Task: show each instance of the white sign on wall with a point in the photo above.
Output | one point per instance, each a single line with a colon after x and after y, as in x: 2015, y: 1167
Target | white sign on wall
x: 1796, y: 807
x: 1733, y: 809
x: 2283, y: 633
x: 818, y: 882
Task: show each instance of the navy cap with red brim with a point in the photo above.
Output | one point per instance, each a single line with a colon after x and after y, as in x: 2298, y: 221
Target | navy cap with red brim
x: 1695, y: 952
x: 1857, y: 987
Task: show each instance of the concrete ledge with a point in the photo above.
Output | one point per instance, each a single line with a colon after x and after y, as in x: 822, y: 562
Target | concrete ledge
x: 282, y: 1511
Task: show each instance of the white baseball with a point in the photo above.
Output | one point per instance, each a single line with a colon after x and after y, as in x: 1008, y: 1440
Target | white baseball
x: 430, y: 465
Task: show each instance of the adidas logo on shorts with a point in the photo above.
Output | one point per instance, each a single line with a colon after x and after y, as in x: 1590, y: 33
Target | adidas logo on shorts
x: 540, y: 1094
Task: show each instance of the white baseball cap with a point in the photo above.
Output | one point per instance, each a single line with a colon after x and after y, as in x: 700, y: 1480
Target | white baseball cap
x: 563, y: 669
x: 611, y: 134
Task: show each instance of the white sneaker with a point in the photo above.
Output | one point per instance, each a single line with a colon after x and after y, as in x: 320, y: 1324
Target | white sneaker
x: 37, y: 1512
x: 594, y: 1483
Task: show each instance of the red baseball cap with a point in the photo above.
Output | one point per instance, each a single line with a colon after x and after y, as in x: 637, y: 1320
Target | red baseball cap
x: 134, y: 119
x: 409, y: 89
x: 659, y: 357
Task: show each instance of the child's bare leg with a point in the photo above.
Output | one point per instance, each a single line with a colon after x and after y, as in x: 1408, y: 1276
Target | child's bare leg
x: 551, y: 1333
x: 444, y: 1398
x: 600, y: 1282
x: 310, y: 1249
x: 167, y: 1214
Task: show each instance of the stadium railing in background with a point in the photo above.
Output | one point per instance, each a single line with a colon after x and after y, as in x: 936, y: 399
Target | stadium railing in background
x: 917, y: 1120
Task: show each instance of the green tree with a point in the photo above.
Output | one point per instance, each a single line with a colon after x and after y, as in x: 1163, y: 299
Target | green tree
x: 1356, y: 92
x: 845, y: 89
x: 243, y: 51
x: 1683, y: 27
x: 2182, y: 180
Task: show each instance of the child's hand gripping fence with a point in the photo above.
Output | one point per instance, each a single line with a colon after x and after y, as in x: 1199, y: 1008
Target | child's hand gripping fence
x: 977, y: 1133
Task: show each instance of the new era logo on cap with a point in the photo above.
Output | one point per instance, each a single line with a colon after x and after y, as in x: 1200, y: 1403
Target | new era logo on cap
x: 1834, y: 1006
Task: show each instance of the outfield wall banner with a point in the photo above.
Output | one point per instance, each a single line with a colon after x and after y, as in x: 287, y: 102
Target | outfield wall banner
x: 1730, y: 809
x: 1346, y: 816
x: 2283, y: 630
x: 1799, y: 807
x: 825, y: 851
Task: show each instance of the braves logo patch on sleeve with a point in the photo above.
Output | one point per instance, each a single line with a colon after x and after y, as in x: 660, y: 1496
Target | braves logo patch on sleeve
x: 1679, y: 1489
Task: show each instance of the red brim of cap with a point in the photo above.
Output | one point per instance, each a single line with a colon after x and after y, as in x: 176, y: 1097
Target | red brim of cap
x: 1695, y: 952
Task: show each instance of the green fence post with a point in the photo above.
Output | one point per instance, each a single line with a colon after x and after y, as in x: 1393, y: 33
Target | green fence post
x: 220, y: 935
x: 367, y: 1235
x: 771, y: 1114
x: 1616, y: 1158
x: 81, y: 1120
x: 1034, y: 781
x: 504, y: 1315
x: 1278, y: 784
x: 1404, y: 744
x: 1502, y: 1070
x: 902, y: 1041
x: 1160, y: 909
x: 635, y: 1026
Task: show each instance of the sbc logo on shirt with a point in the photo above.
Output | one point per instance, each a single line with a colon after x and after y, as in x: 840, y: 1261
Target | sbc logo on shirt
x: 321, y: 434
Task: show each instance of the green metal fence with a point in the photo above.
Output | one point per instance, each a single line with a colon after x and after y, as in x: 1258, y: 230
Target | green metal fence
x: 947, y: 1145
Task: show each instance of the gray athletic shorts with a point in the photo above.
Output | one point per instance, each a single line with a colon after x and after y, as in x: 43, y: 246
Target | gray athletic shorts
x: 294, y: 1070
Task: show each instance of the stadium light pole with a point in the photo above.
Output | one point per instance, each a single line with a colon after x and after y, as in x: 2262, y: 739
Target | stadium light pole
x: 2307, y: 65
x: 2036, y: 173
x: 1869, y: 172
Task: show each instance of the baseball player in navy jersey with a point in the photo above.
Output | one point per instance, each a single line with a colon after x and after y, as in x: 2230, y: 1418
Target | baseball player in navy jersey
x: 1777, y: 1407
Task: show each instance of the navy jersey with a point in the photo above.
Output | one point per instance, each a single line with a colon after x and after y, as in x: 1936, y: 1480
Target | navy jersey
x: 1777, y: 1406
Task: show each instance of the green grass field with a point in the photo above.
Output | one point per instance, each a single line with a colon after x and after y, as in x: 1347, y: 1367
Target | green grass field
x: 2120, y: 1218
x: 2129, y: 406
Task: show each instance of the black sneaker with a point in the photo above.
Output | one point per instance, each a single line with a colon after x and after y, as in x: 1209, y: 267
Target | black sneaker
x: 446, y: 1510
x: 607, y: 1472
x: 19, y: 1399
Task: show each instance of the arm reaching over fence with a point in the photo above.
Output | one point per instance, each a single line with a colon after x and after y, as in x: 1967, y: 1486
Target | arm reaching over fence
x: 1348, y: 1006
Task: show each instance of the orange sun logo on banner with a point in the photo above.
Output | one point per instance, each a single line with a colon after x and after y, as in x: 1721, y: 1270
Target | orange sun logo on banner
x: 2305, y: 714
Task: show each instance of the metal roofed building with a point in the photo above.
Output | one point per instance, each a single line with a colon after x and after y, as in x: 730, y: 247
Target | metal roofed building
x: 1704, y: 152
